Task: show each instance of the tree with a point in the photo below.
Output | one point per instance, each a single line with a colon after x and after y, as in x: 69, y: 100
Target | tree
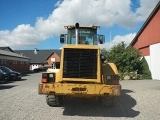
x: 144, y: 70
x: 127, y: 58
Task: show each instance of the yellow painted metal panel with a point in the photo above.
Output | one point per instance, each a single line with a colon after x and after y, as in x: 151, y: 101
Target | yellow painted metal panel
x: 80, y: 89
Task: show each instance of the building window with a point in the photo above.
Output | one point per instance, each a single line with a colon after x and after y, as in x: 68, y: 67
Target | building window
x: 27, y: 63
x: 1, y: 61
x: 5, y: 61
x: 14, y: 62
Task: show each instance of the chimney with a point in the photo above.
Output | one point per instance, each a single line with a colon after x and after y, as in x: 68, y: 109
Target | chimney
x: 35, y: 51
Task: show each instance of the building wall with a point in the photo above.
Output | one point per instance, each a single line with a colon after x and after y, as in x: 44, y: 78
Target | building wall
x: 155, y: 61
x: 57, y: 59
x: 34, y: 66
x: 144, y: 51
x: 49, y: 61
x: 148, y: 43
x: 150, y: 35
x: 16, y: 64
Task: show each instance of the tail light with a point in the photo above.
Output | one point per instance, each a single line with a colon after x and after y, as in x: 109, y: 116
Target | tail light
x: 48, y: 77
x: 111, y: 79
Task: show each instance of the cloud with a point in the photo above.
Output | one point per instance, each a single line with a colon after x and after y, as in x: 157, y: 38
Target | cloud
x: 102, y: 12
x: 118, y: 39
x: 23, y: 35
x: 126, y: 39
x: 86, y: 12
x: 146, y: 7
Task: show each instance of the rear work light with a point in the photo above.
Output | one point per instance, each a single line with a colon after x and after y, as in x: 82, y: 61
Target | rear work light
x: 48, y: 77
x: 111, y: 79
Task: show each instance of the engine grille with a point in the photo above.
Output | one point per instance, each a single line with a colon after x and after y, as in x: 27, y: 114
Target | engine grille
x: 80, y: 63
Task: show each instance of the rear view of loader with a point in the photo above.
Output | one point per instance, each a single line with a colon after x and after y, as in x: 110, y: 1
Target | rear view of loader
x: 83, y: 71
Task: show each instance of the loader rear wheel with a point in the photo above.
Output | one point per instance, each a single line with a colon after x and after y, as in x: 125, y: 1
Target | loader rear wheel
x: 108, y: 101
x: 54, y: 101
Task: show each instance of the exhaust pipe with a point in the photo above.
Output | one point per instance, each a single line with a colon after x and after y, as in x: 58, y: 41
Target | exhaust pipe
x: 77, y: 32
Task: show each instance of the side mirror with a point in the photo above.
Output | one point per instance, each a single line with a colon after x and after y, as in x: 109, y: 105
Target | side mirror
x: 101, y: 39
x: 62, y: 38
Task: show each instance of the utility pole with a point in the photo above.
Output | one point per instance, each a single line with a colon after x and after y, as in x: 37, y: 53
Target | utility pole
x: 110, y: 40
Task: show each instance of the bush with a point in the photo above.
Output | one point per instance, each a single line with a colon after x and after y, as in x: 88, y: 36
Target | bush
x: 128, y: 61
x: 144, y: 70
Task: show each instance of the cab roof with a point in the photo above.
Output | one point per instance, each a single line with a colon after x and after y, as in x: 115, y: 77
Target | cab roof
x: 88, y: 27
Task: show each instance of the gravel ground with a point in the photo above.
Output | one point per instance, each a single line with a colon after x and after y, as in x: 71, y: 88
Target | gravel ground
x: 19, y: 100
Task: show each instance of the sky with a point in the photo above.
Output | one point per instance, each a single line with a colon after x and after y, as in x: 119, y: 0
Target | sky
x: 30, y: 24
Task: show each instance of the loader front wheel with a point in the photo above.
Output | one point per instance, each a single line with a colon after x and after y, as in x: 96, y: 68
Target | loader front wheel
x: 54, y: 101
x: 107, y: 101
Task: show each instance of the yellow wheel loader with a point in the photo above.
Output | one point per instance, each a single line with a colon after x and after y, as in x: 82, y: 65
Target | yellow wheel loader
x: 83, y: 70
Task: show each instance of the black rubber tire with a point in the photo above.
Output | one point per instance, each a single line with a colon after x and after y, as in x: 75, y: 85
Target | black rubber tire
x: 107, y: 101
x: 54, y: 101
x: 5, y: 79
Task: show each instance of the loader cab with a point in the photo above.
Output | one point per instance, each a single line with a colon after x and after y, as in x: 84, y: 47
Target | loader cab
x: 85, y: 35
